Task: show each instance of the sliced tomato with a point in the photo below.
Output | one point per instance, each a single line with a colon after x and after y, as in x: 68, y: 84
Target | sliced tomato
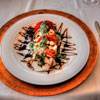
x: 39, y: 39
x: 37, y: 26
x: 51, y: 25
x: 50, y: 53
x: 51, y: 37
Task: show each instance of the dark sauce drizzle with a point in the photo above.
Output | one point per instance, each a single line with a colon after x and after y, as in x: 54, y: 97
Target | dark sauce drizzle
x: 29, y: 36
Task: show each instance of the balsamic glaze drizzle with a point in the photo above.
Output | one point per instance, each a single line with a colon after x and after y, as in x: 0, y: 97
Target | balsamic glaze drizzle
x: 29, y: 36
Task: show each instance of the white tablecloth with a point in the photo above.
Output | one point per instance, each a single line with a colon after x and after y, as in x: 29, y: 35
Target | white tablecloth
x: 88, y: 90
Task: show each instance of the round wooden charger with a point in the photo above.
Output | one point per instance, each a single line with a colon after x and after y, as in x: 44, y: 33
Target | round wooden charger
x: 36, y: 90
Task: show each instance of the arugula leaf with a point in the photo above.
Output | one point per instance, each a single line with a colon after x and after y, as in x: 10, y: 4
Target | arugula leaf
x: 44, y: 28
x: 31, y: 45
x: 41, y: 62
x: 42, y: 54
x: 37, y: 48
x: 58, y: 36
x: 35, y: 56
x: 43, y: 42
x: 61, y: 56
x: 42, y: 34
x: 40, y: 58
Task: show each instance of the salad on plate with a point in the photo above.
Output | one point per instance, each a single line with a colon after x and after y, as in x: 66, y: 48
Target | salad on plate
x: 44, y: 48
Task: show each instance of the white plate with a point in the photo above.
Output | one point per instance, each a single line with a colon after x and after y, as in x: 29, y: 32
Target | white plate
x: 12, y: 61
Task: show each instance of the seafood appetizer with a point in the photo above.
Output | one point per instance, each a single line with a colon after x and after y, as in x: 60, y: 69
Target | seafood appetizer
x: 44, y: 47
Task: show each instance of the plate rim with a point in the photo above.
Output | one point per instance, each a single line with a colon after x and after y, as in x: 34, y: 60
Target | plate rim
x: 84, y: 27
x: 45, y: 80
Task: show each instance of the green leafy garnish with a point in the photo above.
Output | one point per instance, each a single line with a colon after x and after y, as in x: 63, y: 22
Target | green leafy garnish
x: 41, y: 60
x: 37, y: 48
x: 35, y: 56
x: 60, y: 56
x: 58, y: 36
x: 44, y: 28
x: 41, y: 45
x: 42, y: 34
x: 43, y: 42
x: 40, y: 57
x: 42, y: 54
x: 31, y: 45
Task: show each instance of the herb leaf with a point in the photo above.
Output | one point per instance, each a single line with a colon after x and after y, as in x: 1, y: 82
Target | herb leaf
x: 58, y: 36
x: 31, y: 45
x: 44, y: 28
x: 61, y: 56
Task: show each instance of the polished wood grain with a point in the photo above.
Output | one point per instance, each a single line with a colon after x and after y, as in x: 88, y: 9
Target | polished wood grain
x: 36, y: 90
